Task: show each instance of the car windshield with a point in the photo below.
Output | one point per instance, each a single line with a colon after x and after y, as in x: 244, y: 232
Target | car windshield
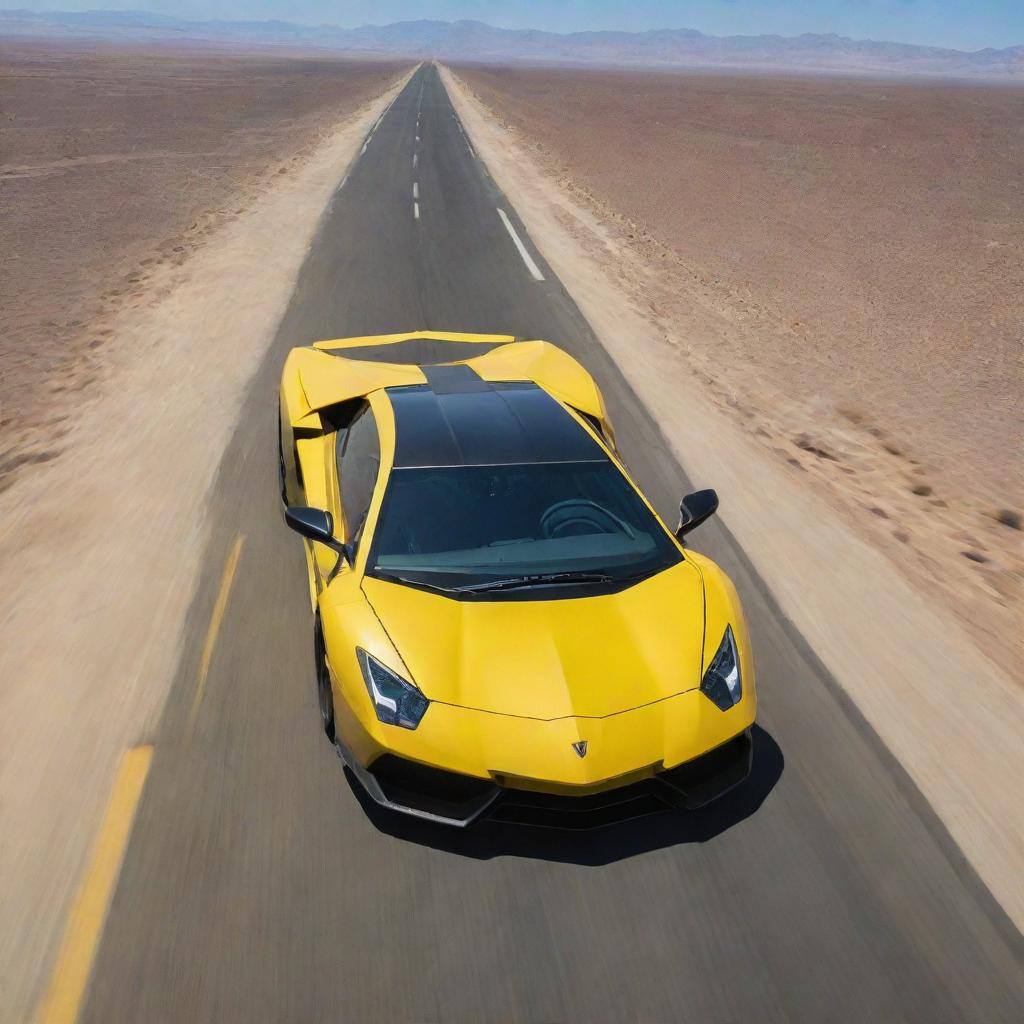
x: 454, y: 527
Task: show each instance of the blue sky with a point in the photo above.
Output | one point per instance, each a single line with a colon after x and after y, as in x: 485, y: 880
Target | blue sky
x: 962, y: 24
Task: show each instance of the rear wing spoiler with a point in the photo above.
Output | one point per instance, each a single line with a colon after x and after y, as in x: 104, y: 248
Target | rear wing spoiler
x: 322, y: 376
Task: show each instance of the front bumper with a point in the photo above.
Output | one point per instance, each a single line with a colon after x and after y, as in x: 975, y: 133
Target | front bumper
x: 449, y: 798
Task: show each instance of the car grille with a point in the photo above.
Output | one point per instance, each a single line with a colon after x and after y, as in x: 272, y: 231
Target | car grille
x: 546, y: 810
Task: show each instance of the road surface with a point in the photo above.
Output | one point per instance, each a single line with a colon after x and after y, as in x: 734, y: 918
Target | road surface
x: 258, y: 886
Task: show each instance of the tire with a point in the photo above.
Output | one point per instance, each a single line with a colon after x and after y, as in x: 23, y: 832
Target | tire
x: 325, y: 696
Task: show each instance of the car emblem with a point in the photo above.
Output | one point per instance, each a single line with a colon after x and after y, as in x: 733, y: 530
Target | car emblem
x: 581, y: 748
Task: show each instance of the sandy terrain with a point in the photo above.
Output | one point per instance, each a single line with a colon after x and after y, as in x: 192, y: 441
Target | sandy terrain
x: 104, y: 542
x: 950, y: 715
x: 200, y: 194
x: 112, y: 164
x: 859, y: 249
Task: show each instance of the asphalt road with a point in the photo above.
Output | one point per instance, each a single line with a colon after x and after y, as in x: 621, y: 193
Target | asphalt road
x: 258, y: 887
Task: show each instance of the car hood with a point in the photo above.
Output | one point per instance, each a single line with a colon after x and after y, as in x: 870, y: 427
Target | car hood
x: 586, y: 657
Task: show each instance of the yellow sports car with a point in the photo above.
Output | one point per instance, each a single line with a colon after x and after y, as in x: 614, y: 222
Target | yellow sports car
x: 504, y: 627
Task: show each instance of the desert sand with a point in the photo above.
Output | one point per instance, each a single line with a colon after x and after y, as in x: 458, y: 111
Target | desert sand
x: 100, y: 546
x: 167, y: 234
x: 116, y: 162
x: 859, y: 246
x: 901, y: 659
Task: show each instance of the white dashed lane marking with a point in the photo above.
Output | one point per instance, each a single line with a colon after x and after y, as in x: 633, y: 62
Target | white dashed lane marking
x: 527, y: 258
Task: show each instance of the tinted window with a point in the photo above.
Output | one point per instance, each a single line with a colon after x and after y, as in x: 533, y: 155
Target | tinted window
x: 452, y: 526
x: 358, y: 466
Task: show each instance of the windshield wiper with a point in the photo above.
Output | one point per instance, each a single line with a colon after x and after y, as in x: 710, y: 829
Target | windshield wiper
x: 394, y: 578
x: 537, y: 580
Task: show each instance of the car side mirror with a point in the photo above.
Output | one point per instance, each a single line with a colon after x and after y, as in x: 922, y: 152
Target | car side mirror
x: 316, y: 524
x: 694, y: 509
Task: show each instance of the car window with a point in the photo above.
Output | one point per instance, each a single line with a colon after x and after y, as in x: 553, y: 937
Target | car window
x: 470, y: 524
x: 358, y: 466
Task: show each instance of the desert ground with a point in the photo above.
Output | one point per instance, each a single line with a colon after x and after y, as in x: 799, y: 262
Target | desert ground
x: 113, y: 163
x: 156, y: 209
x: 842, y: 262
x: 838, y: 263
x: 900, y: 657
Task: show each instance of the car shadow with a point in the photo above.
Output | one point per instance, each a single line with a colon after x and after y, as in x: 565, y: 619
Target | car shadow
x: 593, y: 847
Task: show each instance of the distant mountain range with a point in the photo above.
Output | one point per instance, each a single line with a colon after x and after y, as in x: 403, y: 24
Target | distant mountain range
x: 475, y: 41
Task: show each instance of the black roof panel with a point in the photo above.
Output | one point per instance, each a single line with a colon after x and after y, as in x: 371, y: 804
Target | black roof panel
x: 469, y: 422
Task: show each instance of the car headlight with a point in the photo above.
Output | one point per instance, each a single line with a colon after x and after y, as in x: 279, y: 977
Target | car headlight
x: 396, y: 701
x: 721, y: 683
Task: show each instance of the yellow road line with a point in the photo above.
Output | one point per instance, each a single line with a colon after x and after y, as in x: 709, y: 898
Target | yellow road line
x: 211, y: 633
x: 70, y: 976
